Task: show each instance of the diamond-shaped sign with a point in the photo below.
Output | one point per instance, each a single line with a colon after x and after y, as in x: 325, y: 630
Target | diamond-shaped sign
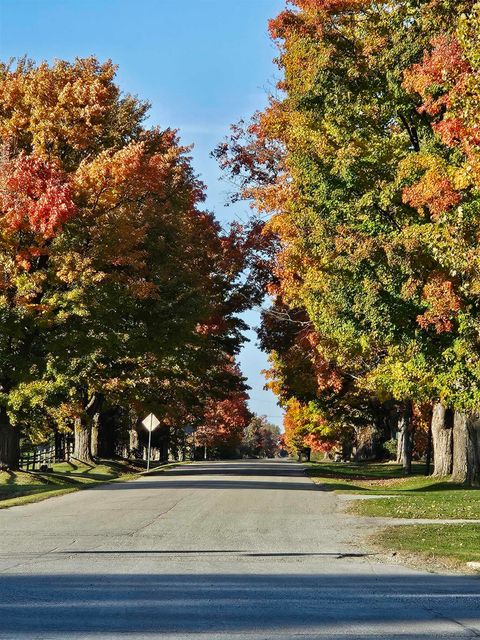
x: 151, y: 422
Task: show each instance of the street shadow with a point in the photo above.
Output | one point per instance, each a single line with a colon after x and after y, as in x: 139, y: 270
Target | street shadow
x: 237, y: 469
x: 165, y: 484
x: 337, y: 605
x: 234, y: 475
x: 194, y: 552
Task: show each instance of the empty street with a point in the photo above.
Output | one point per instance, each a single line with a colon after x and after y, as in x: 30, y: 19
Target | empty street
x: 217, y: 550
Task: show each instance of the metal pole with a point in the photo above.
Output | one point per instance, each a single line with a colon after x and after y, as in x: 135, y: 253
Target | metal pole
x: 149, y: 444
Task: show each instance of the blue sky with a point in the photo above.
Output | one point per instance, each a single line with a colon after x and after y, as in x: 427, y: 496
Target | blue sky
x: 203, y: 64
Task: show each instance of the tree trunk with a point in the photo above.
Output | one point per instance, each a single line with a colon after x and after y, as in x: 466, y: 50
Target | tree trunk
x: 59, y: 440
x: 466, y: 449
x: 83, y: 428
x: 134, y: 439
x: 400, y: 441
x: 82, y: 450
x: 442, y: 436
x: 108, y: 433
x: 94, y: 435
x: 365, y: 438
x: 428, y: 454
x: 9, y: 443
x: 405, y: 444
x: 347, y: 449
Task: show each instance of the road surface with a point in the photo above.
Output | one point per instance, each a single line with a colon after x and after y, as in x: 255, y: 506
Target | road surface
x: 214, y: 551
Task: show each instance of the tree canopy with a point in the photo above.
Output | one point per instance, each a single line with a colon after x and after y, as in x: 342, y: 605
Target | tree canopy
x: 366, y: 165
x: 117, y: 287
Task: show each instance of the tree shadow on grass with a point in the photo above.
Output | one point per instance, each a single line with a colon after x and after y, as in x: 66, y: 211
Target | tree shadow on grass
x: 445, y: 486
x: 339, y: 486
x: 26, y: 490
x: 71, y: 465
x: 12, y: 477
x: 362, y: 471
x: 429, y: 489
x: 351, y: 476
x: 76, y: 477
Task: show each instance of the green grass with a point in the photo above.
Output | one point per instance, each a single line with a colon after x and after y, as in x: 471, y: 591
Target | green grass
x: 20, y: 487
x: 15, y: 486
x: 358, y: 477
x: 416, y: 496
x: 437, y: 501
x: 451, y: 544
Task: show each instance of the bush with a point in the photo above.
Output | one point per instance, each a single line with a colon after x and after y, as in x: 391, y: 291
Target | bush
x: 390, y: 449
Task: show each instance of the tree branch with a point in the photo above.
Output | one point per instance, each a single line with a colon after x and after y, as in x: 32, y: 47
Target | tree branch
x: 412, y: 132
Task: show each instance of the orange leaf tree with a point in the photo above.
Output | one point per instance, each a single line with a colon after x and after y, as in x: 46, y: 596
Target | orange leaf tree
x: 366, y: 165
x: 110, y: 269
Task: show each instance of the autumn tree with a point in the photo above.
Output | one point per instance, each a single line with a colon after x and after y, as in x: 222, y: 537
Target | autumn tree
x: 223, y: 425
x: 261, y: 439
x: 446, y: 83
x: 366, y: 165
x: 117, y: 286
x: 36, y: 200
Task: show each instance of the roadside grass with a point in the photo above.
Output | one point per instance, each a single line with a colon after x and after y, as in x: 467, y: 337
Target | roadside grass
x: 415, y: 496
x: 365, y: 476
x: 452, y: 545
x: 437, y: 501
x: 21, y: 487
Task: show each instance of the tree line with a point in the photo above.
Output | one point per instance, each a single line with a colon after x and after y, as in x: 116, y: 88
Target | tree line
x: 119, y: 293
x: 366, y: 166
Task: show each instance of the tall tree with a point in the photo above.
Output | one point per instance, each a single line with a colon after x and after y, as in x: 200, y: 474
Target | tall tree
x: 115, y: 280
x: 373, y: 195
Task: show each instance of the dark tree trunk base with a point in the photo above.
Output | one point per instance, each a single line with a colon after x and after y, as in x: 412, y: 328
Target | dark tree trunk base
x: 9, y: 443
x: 466, y: 449
x: 405, y: 439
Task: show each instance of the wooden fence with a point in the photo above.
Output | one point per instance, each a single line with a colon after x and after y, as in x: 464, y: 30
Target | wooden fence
x: 45, y: 456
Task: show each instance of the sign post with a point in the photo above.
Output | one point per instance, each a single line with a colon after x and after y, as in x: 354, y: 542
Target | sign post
x: 151, y: 422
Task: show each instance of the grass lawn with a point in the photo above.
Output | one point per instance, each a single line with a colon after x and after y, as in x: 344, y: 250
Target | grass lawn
x: 416, y: 496
x: 20, y: 487
x: 456, y: 544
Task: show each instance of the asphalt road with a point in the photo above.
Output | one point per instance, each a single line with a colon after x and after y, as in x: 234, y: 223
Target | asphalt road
x: 231, y: 550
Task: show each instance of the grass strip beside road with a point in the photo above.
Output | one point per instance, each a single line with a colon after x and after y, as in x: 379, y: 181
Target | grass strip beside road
x: 450, y: 545
x: 20, y: 487
x: 416, y: 496
x: 436, y: 503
